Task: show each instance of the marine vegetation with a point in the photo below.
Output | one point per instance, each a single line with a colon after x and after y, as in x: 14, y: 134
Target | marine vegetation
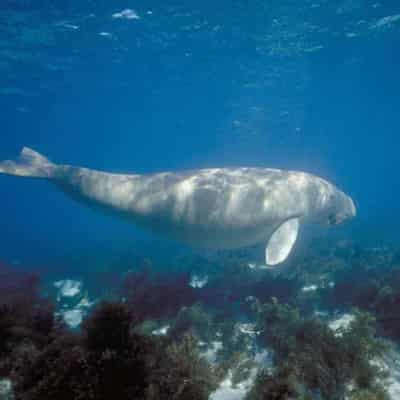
x: 379, y: 294
x: 182, y: 373
x: 340, y: 286
x: 158, y: 337
x: 194, y: 320
x: 109, y: 360
x: 106, y: 359
x: 314, y: 361
x: 26, y: 319
x: 156, y: 295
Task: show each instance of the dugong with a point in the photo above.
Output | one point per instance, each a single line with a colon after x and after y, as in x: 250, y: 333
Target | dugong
x: 223, y: 208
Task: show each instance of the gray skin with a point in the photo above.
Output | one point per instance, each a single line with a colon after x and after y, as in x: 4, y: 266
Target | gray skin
x: 222, y: 208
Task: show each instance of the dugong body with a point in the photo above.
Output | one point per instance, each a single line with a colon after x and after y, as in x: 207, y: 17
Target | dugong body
x: 215, y: 208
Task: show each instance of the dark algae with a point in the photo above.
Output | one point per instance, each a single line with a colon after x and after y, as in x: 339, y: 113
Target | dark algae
x: 117, y: 352
x: 313, y: 361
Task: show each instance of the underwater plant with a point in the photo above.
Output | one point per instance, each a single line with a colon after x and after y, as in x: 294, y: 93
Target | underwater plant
x: 104, y: 361
x: 109, y: 359
x: 108, y: 328
x: 311, y: 356
x: 233, y: 280
x: 194, y: 320
x: 116, y: 356
x: 182, y: 374
x: 283, y: 385
x: 156, y: 295
x: 167, y: 340
x: 377, y: 293
x: 25, y: 317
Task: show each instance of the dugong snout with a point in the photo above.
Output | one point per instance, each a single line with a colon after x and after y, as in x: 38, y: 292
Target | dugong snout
x: 344, y: 209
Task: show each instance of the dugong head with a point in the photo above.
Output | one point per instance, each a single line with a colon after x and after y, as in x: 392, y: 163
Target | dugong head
x: 338, y: 207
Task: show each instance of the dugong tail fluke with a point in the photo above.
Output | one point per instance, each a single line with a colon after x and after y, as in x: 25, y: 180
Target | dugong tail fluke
x: 29, y: 164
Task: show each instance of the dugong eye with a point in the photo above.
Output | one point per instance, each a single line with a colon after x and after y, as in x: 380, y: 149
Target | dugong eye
x: 332, y: 219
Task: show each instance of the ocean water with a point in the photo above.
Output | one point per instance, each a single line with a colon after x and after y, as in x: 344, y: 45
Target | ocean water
x: 152, y: 86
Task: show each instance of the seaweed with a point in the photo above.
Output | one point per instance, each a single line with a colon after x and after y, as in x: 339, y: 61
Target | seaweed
x: 108, y: 328
x: 116, y: 354
x: 378, y: 293
x: 153, y: 295
x: 188, y: 377
x: 25, y: 317
x: 283, y: 385
x: 194, y: 320
x: 103, y: 362
x: 311, y: 355
x: 109, y: 359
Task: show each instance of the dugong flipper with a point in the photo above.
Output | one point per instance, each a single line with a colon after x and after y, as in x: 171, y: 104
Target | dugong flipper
x: 215, y: 208
x: 281, y: 242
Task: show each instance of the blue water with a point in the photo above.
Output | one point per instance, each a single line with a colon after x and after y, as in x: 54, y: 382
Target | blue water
x: 310, y: 85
